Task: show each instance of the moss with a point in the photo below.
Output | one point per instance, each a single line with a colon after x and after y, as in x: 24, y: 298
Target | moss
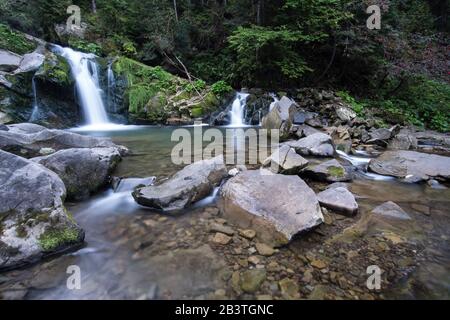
x: 56, y: 70
x: 14, y: 41
x: 336, y: 171
x: 196, y: 112
x: 52, y: 239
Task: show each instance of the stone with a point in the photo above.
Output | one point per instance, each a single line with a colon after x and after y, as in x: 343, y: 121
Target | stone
x: 216, y: 227
x: 338, y: 199
x: 251, y: 280
x: 30, y: 62
x: 221, y: 238
x: 289, y: 289
x: 285, y: 161
x: 254, y: 260
x: 345, y: 113
x: 193, y: 183
x: 391, y: 210
x: 305, y: 131
x: 264, y: 249
x: 27, y: 140
x: 404, y: 140
x: 9, y: 61
x: 329, y: 171
x: 412, y: 165
x: 280, y: 117
x: 247, y: 233
x: 34, y: 223
x: 82, y: 170
x: 317, y: 144
x: 248, y: 201
x: 319, y: 264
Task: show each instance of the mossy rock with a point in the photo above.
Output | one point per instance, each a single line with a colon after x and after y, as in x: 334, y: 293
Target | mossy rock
x: 15, y: 41
x: 336, y: 171
x: 55, y: 69
x: 54, y: 239
x: 196, y: 112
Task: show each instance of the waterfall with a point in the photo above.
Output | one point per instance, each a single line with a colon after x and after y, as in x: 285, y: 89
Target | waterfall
x: 237, y: 109
x: 85, y: 73
x: 111, y: 87
x: 35, y: 111
x: 275, y: 100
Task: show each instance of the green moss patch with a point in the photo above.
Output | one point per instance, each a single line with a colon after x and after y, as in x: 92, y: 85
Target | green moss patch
x: 56, y: 69
x: 336, y: 171
x: 15, y: 41
x: 53, y: 239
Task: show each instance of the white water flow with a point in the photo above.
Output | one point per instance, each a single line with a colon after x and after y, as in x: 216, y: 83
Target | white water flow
x: 361, y: 163
x: 275, y: 100
x: 237, y: 109
x: 84, y: 71
x: 35, y: 111
x: 111, y: 87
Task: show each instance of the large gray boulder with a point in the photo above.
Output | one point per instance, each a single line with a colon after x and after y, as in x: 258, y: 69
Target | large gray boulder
x: 328, y: 171
x: 276, y: 206
x: 193, y: 183
x: 281, y: 117
x: 338, y: 199
x: 27, y: 140
x: 286, y: 161
x: 317, y: 144
x: 33, y: 220
x: 9, y: 61
x: 411, y: 165
x: 82, y: 170
x: 30, y: 62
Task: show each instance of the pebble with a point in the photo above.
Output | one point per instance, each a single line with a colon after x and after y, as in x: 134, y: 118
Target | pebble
x: 251, y: 280
x: 264, y: 249
x: 289, y: 289
x: 254, y: 260
x: 216, y: 227
x: 221, y: 238
x: 248, y: 233
x: 319, y: 264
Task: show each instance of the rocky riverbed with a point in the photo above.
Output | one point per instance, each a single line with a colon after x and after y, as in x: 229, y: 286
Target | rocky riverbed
x: 203, y: 251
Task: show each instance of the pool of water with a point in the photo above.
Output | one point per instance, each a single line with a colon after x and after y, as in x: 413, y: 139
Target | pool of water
x: 133, y: 252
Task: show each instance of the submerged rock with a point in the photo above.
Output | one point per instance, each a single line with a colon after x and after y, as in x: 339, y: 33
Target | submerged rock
x: 191, y: 184
x: 82, y: 170
x: 28, y: 139
x: 34, y: 222
x: 411, y: 165
x: 248, y: 200
x: 329, y: 171
x: 286, y: 161
x: 391, y: 210
x: 317, y: 144
x: 338, y: 199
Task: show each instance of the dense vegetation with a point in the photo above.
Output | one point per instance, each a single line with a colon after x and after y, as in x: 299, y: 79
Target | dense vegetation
x: 398, y: 72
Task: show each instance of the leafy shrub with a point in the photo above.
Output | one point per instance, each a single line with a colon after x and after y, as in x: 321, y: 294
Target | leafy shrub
x: 220, y: 88
x: 358, y: 107
x: 85, y: 46
x: 14, y: 41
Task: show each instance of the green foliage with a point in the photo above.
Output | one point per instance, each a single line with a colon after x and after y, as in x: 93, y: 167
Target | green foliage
x: 195, y: 86
x: 221, y: 88
x: 14, y: 41
x: 358, y: 107
x: 85, y: 46
x: 52, y: 239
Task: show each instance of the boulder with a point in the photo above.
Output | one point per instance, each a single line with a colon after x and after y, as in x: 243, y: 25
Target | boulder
x: 248, y: 200
x: 411, y: 165
x: 27, y: 140
x: 285, y: 161
x: 328, y: 171
x: 344, y: 113
x: 30, y: 62
x: 338, y: 199
x: 404, y: 140
x: 193, y: 183
x: 33, y: 220
x: 304, y: 131
x: 82, y: 170
x: 382, y: 135
x: 317, y: 144
x: 9, y: 61
x: 280, y: 117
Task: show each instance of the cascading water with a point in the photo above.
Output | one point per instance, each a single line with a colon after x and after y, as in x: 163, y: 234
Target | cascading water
x: 237, y: 109
x: 35, y: 111
x: 111, y: 86
x: 275, y: 100
x: 84, y: 71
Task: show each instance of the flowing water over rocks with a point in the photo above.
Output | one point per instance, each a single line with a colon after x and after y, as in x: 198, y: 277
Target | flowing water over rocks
x: 134, y: 252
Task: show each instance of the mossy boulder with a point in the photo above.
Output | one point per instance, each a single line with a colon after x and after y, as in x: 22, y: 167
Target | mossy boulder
x: 15, y: 41
x: 328, y: 171
x: 154, y: 95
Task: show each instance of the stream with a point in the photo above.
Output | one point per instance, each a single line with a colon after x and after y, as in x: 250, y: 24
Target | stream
x: 133, y: 252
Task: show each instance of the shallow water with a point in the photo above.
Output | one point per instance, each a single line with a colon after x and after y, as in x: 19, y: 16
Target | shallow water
x: 133, y: 252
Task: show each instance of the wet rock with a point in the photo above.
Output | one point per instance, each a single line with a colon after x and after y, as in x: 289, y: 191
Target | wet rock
x: 391, y: 210
x: 280, y: 117
x: 285, y: 161
x: 27, y: 140
x: 412, y: 165
x: 193, y: 183
x: 82, y: 170
x: 251, y: 280
x: 34, y: 221
x: 221, y: 238
x: 338, y: 199
x: 264, y: 249
x: 216, y: 227
x: 248, y: 201
x: 329, y: 171
x: 318, y: 144
x: 289, y: 289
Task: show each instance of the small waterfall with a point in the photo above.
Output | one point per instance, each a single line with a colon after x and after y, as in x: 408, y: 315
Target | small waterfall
x: 275, y: 100
x: 111, y: 88
x: 237, y: 109
x: 85, y: 73
x: 35, y: 111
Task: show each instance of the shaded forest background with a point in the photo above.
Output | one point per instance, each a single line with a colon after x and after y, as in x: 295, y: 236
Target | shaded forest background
x: 402, y: 70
